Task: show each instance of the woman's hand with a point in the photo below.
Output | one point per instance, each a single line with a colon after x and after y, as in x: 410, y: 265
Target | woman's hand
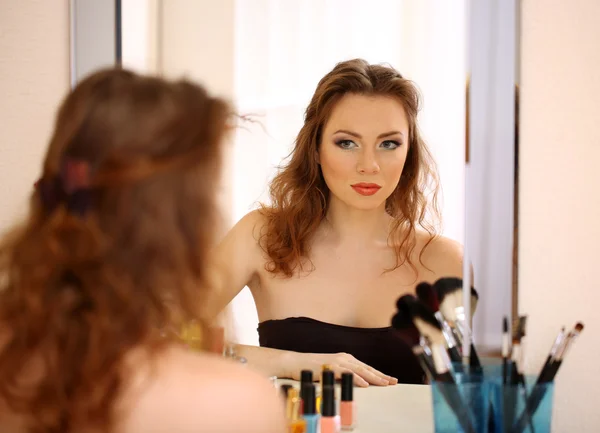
x: 339, y: 363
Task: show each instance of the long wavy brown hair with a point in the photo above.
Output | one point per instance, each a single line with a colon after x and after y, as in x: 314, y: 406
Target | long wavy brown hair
x: 79, y: 291
x: 299, y: 194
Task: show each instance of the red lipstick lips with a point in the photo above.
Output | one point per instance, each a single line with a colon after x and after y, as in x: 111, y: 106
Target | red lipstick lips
x: 366, y: 188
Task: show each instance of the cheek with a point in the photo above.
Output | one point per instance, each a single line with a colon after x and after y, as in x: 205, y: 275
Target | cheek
x: 396, y: 167
x: 393, y: 167
x: 337, y: 165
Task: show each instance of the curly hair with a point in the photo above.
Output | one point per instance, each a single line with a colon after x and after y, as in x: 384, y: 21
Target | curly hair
x: 299, y: 194
x: 79, y: 292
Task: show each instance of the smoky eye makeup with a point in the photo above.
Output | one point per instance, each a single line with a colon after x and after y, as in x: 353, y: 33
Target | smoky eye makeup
x: 344, y: 143
x: 391, y: 144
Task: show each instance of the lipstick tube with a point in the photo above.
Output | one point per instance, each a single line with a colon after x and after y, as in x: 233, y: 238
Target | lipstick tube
x: 347, y: 404
x: 330, y: 421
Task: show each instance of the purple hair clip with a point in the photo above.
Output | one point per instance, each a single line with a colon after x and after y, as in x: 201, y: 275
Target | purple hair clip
x: 71, y: 187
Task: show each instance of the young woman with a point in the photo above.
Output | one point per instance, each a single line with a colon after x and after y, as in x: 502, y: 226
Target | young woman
x: 346, y: 235
x: 112, y: 254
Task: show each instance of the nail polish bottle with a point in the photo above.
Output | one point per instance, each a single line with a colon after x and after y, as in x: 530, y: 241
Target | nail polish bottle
x: 330, y: 422
x: 306, y: 378
x: 327, y: 376
x: 285, y: 390
x: 327, y: 379
x: 296, y: 424
x: 309, y: 413
x: 347, y: 404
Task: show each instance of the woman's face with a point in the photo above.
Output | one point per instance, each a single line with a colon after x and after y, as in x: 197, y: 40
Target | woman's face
x: 363, y: 149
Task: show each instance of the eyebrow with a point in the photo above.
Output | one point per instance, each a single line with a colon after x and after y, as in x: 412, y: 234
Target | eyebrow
x: 354, y: 134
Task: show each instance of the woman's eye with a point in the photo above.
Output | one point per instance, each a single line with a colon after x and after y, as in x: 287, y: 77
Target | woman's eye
x: 345, y: 144
x: 390, y: 144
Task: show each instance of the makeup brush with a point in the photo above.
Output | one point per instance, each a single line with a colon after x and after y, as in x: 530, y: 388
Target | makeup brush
x: 556, y: 346
x: 409, y: 306
x: 426, y: 364
x: 430, y: 328
x: 517, y: 351
x: 411, y: 309
x: 449, y: 291
x: 557, y: 354
x: 538, y: 391
x: 426, y: 345
x: 445, y: 381
x: 508, y: 398
x: 517, y: 376
x: 560, y: 355
x: 428, y: 296
x: 510, y: 393
x: 505, y: 349
x: 450, y: 296
x: 402, y: 319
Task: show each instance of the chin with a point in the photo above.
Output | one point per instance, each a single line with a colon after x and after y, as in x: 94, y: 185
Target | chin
x: 366, y: 203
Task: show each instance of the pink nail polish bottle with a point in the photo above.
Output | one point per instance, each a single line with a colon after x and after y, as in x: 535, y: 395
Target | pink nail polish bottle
x: 347, y: 405
x: 330, y: 422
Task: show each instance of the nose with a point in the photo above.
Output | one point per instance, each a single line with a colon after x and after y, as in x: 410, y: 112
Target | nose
x: 367, y: 163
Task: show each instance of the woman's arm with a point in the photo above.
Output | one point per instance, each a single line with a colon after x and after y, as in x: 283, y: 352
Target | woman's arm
x: 287, y: 364
x: 235, y: 262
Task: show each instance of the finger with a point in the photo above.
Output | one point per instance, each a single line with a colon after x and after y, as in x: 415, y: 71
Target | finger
x: 391, y: 380
x: 370, y: 375
x: 358, y: 380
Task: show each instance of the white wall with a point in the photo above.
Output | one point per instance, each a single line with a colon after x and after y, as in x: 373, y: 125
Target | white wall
x: 34, y: 77
x: 560, y: 205
x: 197, y: 38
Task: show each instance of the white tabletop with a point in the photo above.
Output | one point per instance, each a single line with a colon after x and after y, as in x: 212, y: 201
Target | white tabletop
x: 391, y: 409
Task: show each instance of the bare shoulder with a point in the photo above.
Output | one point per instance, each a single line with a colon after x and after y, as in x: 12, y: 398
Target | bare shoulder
x: 237, y: 259
x: 441, y: 255
x: 247, y: 231
x: 252, y: 223
x: 189, y: 392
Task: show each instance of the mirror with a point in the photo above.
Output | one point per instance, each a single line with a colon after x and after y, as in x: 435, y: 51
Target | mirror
x: 282, y: 53
x: 268, y: 56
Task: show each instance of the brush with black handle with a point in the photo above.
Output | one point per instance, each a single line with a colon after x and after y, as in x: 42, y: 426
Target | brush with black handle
x: 505, y: 349
x: 512, y: 394
x: 519, y: 328
x: 547, y: 375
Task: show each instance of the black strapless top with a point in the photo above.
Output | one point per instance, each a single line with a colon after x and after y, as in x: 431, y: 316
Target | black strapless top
x: 385, y: 349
